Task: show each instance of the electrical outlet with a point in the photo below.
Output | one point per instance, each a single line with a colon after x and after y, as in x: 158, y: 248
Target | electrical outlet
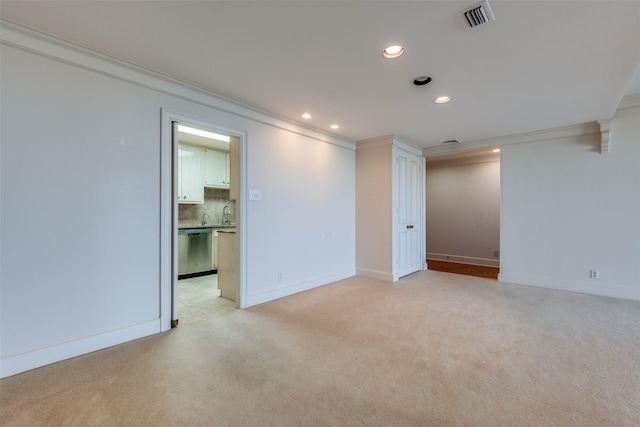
x: 594, y: 274
x: 279, y: 275
x: 255, y: 195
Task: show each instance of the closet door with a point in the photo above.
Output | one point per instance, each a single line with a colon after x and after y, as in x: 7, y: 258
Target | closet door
x: 408, y: 213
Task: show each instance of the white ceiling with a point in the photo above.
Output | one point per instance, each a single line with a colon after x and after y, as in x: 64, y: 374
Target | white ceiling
x: 540, y: 65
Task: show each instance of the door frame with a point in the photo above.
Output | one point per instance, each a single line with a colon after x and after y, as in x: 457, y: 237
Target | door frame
x: 169, y: 209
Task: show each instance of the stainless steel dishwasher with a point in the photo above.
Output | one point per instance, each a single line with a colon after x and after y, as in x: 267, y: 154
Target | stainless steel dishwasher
x: 194, y: 251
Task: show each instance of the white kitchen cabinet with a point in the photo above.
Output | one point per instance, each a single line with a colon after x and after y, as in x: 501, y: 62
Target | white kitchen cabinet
x: 190, y: 170
x: 390, y: 241
x: 216, y: 173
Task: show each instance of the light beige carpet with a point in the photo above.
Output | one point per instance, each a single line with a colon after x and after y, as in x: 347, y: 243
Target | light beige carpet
x: 434, y: 349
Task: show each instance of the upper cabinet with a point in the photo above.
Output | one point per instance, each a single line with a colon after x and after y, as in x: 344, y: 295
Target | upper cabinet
x: 217, y: 172
x: 190, y: 169
x: 200, y: 167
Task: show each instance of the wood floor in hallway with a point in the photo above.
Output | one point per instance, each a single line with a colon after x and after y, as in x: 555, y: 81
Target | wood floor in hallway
x: 466, y: 269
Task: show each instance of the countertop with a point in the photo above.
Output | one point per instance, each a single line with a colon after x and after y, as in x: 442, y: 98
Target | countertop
x: 199, y: 225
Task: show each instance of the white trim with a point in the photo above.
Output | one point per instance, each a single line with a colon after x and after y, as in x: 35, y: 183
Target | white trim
x: 287, y: 290
x: 12, y: 365
x: 535, y: 136
x: 605, y: 140
x: 375, y: 274
x: 571, y: 286
x: 630, y: 101
x: 423, y: 216
x: 383, y: 141
x: 459, y: 161
x: 38, y: 43
x: 397, y: 142
x: 460, y: 259
x: 501, y: 236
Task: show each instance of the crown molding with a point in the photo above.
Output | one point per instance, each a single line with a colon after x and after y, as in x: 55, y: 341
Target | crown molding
x: 535, y: 136
x: 461, y: 161
x: 605, y: 143
x: 630, y: 101
x: 387, y: 141
x: 602, y: 127
x: 400, y: 143
x: 45, y: 45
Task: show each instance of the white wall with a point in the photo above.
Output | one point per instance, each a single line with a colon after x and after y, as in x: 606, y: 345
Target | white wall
x: 567, y: 209
x: 374, y: 239
x: 80, y: 200
x: 304, y: 227
x: 463, y: 210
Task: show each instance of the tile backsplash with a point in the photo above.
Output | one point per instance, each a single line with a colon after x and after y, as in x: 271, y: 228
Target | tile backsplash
x: 214, y: 202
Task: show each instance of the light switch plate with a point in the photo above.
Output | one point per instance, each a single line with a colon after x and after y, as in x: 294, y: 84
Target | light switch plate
x: 255, y: 195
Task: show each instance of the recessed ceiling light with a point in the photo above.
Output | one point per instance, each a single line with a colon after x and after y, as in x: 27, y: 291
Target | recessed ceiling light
x: 335, y: 126
x: 306, y: 116
x: 393, y: 51
x: 496, y: 150
x: 203, y: 133
x: 421, y: 80
x: 442, y: 99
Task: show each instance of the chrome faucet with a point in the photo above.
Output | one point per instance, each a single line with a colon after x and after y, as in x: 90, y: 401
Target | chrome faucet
x: 204, y: 221
x: 226, y: 213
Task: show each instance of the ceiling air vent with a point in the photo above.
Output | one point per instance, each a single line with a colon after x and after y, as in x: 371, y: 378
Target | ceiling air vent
x: 478, y: 15
x: 451, y: 141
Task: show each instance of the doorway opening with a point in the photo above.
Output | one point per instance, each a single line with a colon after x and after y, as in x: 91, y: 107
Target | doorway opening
x: 206, y: 207
x: 463, y: 194
x: 201, y: 246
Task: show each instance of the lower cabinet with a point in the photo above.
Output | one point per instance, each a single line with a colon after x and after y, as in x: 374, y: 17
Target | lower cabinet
x: 228, y: 266
x: 214, y: 250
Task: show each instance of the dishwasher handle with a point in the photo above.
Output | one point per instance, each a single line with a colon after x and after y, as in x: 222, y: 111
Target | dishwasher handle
x: 195, y: 231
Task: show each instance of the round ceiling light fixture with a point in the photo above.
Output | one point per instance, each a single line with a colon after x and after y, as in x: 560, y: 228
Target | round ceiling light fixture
x: 335, y: 127
x: 421, y: 80
x: 393, y: 52
x: 442, y: 99
x: 306, y: 116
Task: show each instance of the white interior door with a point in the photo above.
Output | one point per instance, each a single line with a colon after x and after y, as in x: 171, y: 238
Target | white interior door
x: 408, y: 228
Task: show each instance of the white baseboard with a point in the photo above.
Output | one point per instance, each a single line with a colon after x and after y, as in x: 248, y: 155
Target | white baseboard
x: 295, y: 288
x: 484, y: 262
x: 18, y: 363
x: 374, y: 274
x: 601, y: 289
